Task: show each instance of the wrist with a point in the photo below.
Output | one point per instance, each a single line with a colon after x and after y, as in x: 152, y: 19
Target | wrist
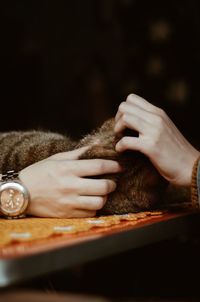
x: 188, y: 163
x: 14, y: 196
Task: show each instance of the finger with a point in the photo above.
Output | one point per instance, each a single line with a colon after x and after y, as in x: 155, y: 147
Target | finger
x: 142, y: 103
x: 136, y: 100
x: 135, y: 118
x: 70, y: 155
x: 129, y: 143
x: 77, y: 213
x: 92, y: 167
x: 95, y: 187
x: 84, y: 214
x: 130, y: 121
x: 129, y: 109
x: 91, y: 202
x: 132, y: 99
x: 134, y: 109
x: 119, y: 112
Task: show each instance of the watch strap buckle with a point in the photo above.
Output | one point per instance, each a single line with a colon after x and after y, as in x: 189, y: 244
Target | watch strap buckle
x: 9, y: 175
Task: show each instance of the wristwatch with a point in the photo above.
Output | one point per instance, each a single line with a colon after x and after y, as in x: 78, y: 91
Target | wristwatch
x: 14, y: 196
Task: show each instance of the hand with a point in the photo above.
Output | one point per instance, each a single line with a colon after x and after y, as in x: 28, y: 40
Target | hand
x: 159, y: 139
x: 59, y: 186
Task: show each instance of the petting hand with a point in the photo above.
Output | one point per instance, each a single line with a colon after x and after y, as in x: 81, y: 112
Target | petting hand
x: 159, y: 139
x: 59, y: 186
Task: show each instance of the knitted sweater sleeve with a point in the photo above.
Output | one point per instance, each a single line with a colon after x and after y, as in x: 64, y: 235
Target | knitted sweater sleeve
x: 198, y: 181
x: 195, y: 183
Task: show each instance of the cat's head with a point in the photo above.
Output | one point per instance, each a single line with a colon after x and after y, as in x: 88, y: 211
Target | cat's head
x: 139, y: 186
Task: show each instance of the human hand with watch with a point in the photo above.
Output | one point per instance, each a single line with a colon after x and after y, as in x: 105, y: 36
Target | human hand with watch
x: 58, y: 186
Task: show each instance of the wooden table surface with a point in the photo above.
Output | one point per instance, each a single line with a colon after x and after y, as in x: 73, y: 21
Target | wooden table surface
x: 23, y: 261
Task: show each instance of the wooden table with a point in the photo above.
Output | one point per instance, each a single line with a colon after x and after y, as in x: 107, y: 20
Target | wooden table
x: 23, y: 261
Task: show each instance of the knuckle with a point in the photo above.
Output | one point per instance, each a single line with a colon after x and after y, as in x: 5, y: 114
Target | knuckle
x: 122, y: 106
x: 100, y: 165
x: 124, y: 141
x: 159, y: 121
x: 105, y: 186
x: 130, y: 98
x: 111, y: 186
x: 154, y: 143
x: 59, y: 167
x: 69, y: 185
x: 151, y: 146
x: 99, y: 203
x: 159, y: 111
x: 124, y: 118
x: 120, y: 144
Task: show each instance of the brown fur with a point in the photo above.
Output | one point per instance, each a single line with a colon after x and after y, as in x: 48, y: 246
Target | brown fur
x: 139, y: 186
x: 20, y: 149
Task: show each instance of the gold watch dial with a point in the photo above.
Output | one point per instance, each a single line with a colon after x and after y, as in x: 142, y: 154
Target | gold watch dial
x: 14, y: 199
x: 11, y: 200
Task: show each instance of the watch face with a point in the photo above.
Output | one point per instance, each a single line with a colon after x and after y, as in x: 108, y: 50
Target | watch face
x: 13, y: 199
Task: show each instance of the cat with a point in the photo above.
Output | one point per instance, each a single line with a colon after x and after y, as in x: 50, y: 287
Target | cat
x: 139, y: 186
x: 19, y: 149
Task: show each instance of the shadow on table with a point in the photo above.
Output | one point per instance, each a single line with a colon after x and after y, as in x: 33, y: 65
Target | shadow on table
x: 159, y: 272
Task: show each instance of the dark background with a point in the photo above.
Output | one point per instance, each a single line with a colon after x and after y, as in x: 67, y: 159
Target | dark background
x: 67, y: 65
